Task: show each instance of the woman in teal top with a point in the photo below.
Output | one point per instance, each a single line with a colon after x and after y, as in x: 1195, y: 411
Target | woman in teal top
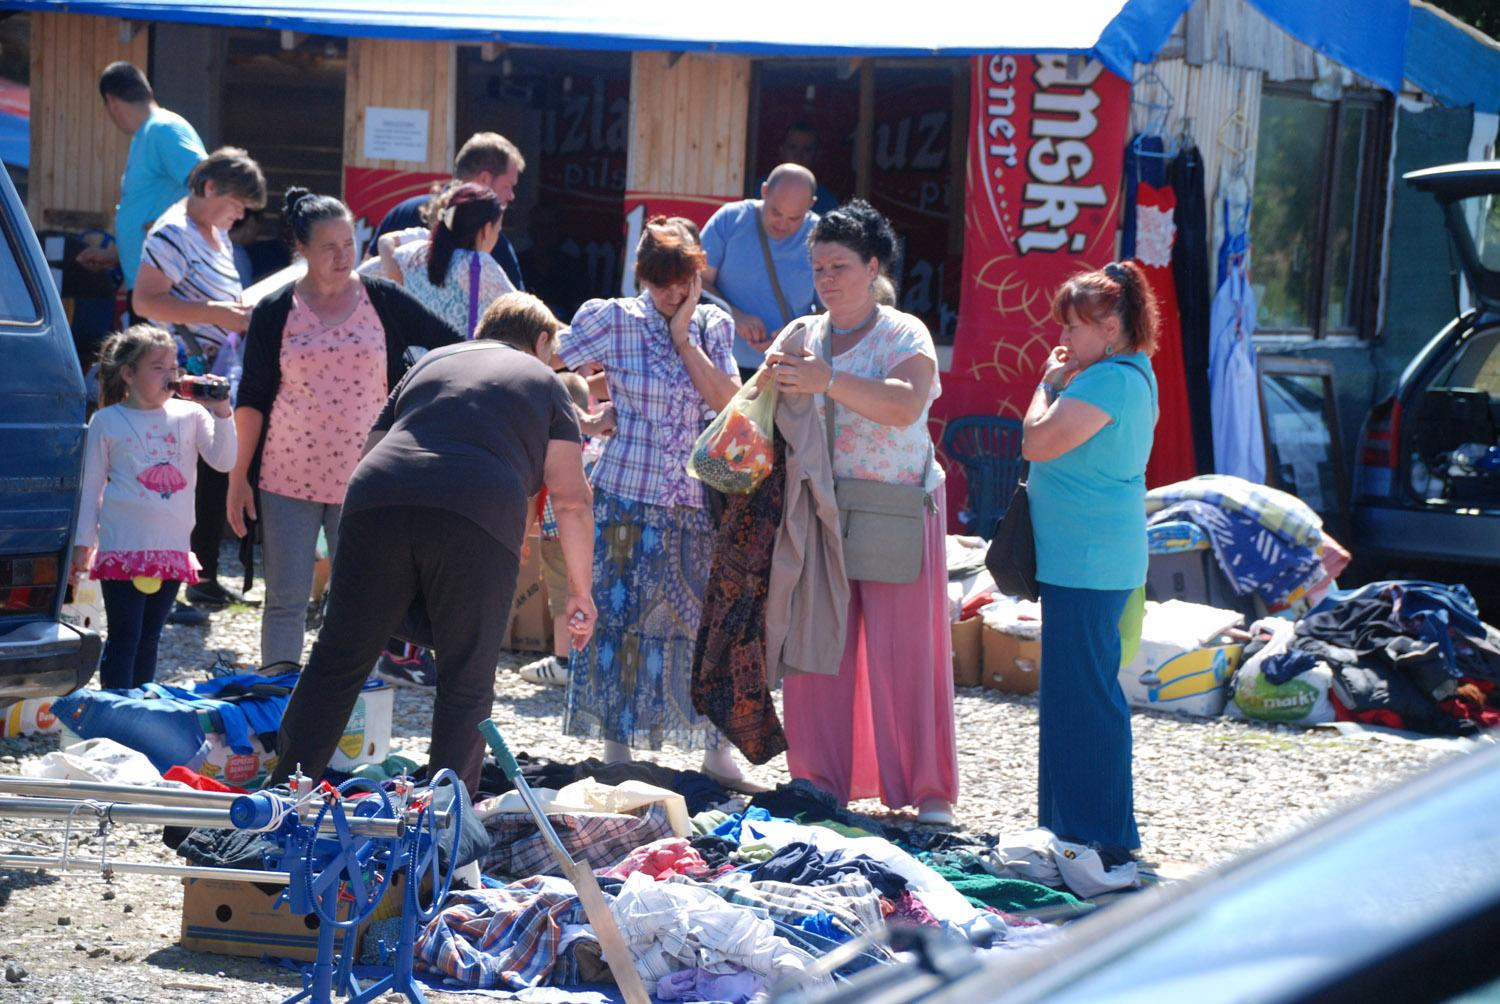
x: 1088, y: 434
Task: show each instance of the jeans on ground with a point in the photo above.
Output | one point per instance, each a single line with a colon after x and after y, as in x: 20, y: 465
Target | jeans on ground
x: 133, y: 629
x: 289, y: 541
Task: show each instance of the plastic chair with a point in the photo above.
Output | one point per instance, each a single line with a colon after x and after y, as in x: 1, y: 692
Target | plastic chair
x: 989, y: 450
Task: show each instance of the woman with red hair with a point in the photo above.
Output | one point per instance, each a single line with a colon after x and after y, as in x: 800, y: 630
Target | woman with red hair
x: 1088, y: 434
x: 669, y: 364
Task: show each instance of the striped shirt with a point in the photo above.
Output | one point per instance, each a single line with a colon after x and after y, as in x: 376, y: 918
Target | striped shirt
x: 200, y: 270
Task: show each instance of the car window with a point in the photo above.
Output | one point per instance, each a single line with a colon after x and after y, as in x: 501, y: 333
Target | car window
x: 1478, y: 365
x: 1482, y: 212
x: 18, y: 301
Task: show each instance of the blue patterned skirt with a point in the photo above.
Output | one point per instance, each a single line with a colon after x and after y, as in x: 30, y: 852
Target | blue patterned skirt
x: 633, y: 684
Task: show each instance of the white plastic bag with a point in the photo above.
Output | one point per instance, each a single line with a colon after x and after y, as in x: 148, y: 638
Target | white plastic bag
x: 1302, y: 700
x: 99, y: 760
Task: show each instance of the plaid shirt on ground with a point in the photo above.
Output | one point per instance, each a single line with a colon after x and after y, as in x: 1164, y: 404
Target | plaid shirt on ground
x: 852, y: 901
x: 603, y: 839
x: 508, y: 937
x: 658, y: 412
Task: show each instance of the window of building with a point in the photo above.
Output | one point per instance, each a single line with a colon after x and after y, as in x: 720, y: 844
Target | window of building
x: 1313, y: 227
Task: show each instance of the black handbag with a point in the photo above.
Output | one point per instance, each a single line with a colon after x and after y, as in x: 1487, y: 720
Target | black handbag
x: 1011, y: 559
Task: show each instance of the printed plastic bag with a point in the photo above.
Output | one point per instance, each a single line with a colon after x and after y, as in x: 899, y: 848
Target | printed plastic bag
x: 1302, y: 700
x: 734, y: 453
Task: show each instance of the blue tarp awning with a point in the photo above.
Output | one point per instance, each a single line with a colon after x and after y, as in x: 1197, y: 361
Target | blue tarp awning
x: 1119, y: 32
x: 1382, y: 40
x: 1455, y: 63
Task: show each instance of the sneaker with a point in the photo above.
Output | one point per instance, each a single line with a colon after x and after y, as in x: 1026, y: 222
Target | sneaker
x: 212, y: 594
x: 417, y: 670
x: 191, y: 616
x: 551, y: 672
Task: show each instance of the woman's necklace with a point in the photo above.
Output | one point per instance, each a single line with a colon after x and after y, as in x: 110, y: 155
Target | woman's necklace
x: 869, y: 319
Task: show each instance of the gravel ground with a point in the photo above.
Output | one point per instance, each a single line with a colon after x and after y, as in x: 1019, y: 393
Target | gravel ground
x: 1205, y: 791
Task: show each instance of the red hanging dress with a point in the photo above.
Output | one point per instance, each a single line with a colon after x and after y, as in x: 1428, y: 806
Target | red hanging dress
x: 1172, y: 456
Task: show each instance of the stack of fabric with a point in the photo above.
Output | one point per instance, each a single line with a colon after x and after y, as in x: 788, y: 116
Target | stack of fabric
x: 1269, y: 544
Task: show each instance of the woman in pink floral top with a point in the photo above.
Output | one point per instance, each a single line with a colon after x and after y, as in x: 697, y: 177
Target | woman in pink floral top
x: 320, y: 356
x: 140, y: 470
x: 883, y: 727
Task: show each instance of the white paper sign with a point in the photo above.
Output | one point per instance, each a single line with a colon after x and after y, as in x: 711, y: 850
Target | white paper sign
x: 396, y: 134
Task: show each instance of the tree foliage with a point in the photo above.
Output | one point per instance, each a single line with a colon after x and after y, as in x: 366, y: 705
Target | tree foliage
x: 1482, y: 14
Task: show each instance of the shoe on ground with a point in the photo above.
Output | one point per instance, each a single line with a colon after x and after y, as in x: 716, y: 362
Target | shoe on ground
x: 212, y: 595
x: 550, y: 672
x: 419, y: 670
x: 935, y: 812
x: 190, y: 616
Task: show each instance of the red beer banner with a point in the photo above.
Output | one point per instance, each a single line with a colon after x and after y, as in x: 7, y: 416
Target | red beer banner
x: 371, y: 192
x: 1046, y: 150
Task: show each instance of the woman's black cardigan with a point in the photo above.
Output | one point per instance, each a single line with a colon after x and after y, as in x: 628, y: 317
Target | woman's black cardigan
x: 407, y: 322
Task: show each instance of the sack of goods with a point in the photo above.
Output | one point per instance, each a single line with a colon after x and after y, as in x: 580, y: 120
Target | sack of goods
x: 1275, y: 686
x: 734, y: 453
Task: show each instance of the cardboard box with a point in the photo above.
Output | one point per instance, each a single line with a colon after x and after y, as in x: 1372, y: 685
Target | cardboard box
x: 530, y: 620
x: 241, y: 918
x: 1011, y: 663
x: 968, y: 652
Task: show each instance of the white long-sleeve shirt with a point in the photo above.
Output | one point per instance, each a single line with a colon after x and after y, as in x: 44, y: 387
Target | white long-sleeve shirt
x: 140, y: 469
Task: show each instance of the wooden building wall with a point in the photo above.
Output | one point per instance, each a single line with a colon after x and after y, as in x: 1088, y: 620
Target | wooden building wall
x: 688, y: 124
x: 77, y: 154
x: 387, y: 73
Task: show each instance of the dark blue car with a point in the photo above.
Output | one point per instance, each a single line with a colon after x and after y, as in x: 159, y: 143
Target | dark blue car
x: 42, y: 411
x: 1427, y: 474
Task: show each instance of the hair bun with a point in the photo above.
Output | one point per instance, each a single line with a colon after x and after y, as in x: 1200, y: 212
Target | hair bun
x: 293, y: 196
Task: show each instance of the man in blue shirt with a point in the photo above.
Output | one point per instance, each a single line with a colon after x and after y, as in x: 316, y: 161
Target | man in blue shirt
x: 487, y: 159
x: 737, y: 238
x: 164, y: 149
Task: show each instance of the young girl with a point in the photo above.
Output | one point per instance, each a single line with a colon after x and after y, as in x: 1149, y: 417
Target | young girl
x: 139, y: 470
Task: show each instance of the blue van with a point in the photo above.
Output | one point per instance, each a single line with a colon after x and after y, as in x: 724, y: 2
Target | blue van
x: 42, y: 411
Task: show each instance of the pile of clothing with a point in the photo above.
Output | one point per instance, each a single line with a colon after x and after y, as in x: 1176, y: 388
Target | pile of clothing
x: 1403, y: 654
x: 1269, y: 544
x: 743, y: 894
x: 171, y: 725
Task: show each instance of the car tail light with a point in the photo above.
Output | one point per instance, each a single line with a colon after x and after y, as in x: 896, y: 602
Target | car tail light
x: 29, y: 584
x: 1379, y: 450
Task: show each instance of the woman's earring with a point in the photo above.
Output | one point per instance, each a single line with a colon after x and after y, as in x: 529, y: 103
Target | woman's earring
x: 1109, y: 350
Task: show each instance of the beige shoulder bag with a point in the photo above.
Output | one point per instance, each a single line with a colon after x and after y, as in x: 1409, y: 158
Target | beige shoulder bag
x: 883, y: 525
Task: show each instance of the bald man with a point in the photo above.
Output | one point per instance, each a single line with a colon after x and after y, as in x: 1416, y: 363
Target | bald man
x: 737, y: 239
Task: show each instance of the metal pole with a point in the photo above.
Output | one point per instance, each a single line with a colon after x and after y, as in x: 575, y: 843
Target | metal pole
x: 51, y: 787
x: 82, y: 862
x: 163, y: 815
